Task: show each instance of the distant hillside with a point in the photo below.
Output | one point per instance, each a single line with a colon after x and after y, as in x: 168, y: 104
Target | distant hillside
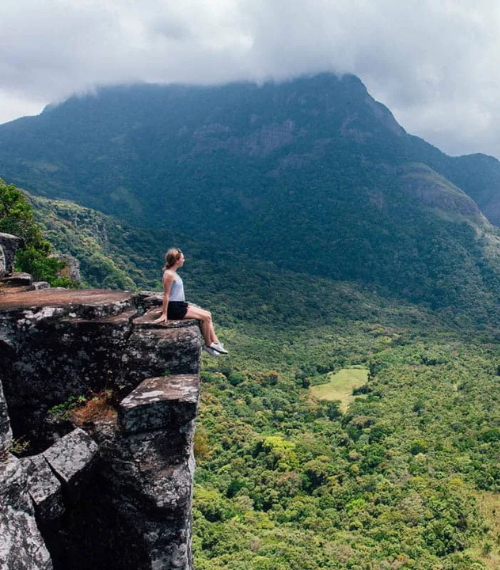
x: 116, y: 255
x: 110, y: 254
x: 312, y: 175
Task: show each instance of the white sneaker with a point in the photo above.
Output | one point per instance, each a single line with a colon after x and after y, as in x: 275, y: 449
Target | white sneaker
x: 210, y: 350
x: 219, y: 347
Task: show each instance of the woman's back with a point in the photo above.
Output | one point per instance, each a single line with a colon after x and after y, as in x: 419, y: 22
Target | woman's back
x: 177, y: 288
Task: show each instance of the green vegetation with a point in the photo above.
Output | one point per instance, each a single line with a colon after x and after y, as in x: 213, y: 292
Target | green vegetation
x: 19, y: 446
x: 323, y: 238
x: 398, y: 481
x: 64, y: 410
x: 407, y: 477
x: 85, y: 234
x: 341, y: 386
x: 33, y: 256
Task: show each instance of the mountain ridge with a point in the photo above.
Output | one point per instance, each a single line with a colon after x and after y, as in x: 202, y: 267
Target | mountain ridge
x: 311, y: 173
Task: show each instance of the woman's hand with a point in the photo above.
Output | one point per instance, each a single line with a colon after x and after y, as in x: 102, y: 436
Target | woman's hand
x: 162, y: 318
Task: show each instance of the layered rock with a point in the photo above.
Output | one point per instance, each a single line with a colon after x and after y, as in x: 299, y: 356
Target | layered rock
x: 21, y: 545
x: 87, y: 340
x: 159, y: 402
x: 45, y: 489
x: 33, y: 494
x: 121, y: 496
x: 71, y: 458
x: 148, y: 467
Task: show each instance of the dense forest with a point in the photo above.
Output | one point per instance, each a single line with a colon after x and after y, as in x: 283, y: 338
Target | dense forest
x: 397, y: 469
x: 34, y: 254
x: 406, y: 477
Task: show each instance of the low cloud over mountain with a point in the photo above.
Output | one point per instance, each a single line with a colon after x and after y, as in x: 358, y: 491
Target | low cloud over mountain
x: 434, y: 64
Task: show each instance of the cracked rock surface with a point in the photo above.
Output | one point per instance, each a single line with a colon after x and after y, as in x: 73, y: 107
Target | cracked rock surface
x: 55, y: 344
x: 44, y: 488
x: 71, y: 457
x: 5, y: 431
x: 159, y: 402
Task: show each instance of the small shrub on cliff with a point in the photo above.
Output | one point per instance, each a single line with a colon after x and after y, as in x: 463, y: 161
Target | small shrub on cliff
x: 19, y: 446
x: 64, y: 410
x: 95, y: 408
x: 81, y: 410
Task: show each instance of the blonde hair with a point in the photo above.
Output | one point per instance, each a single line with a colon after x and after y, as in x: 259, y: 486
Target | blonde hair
x: 171, y: 257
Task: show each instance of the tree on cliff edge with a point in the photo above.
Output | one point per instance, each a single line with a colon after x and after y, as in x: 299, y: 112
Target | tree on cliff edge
x: 16, y: 217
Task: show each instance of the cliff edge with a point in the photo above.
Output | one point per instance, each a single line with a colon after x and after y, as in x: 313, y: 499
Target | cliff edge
x: 112, y: 488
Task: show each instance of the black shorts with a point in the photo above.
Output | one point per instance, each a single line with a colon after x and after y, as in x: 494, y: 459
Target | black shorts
x: 176, y: 310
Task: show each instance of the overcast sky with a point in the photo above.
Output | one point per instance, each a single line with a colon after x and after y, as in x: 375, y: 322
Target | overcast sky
x: 434, y: 63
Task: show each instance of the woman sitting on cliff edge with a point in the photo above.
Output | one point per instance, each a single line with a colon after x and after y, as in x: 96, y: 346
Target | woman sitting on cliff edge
x: 175, y: 307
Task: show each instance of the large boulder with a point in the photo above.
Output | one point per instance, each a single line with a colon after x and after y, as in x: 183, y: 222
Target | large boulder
x: 150, y: 466
x: 45, y: 489
x: 21, y: 544
x: 71, y: 459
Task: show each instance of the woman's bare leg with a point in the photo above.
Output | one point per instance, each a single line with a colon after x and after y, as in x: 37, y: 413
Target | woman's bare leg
x: 207, y: 326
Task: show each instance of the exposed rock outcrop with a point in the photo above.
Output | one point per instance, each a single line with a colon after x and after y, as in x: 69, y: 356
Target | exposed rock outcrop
x: 8, y: 247
x: 19, y: 279
x: 11, y: 282
x: 148, y: 467
x: 119, y: 493
x: 432, y: 189
x: 45, y: 489
x: 71, y: 269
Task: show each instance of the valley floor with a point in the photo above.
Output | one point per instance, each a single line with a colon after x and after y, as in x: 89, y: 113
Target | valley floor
x: 406, y: 477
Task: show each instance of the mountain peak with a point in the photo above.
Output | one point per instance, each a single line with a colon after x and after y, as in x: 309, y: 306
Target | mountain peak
x: 308, y: 169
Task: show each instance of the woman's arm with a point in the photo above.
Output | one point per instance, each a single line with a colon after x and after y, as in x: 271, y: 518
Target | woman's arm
x: 168, y: 279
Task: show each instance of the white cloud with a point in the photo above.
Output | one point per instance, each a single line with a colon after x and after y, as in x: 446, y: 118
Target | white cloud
x: 14, y: 105
x: 432, y: 62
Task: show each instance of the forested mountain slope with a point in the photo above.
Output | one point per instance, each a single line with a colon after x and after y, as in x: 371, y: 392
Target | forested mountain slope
x: 237, y: 288
x: 407, y: 476
x: 312, y: 175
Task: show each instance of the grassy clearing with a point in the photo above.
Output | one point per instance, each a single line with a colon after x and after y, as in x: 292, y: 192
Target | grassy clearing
x: 488, y: 506
x: 340, y: 386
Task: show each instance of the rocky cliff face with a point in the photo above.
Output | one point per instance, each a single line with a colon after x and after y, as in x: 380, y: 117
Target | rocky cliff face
x: 116, y: 493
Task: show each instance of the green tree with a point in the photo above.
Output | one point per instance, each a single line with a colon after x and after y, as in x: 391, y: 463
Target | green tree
x: 16, y: 217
